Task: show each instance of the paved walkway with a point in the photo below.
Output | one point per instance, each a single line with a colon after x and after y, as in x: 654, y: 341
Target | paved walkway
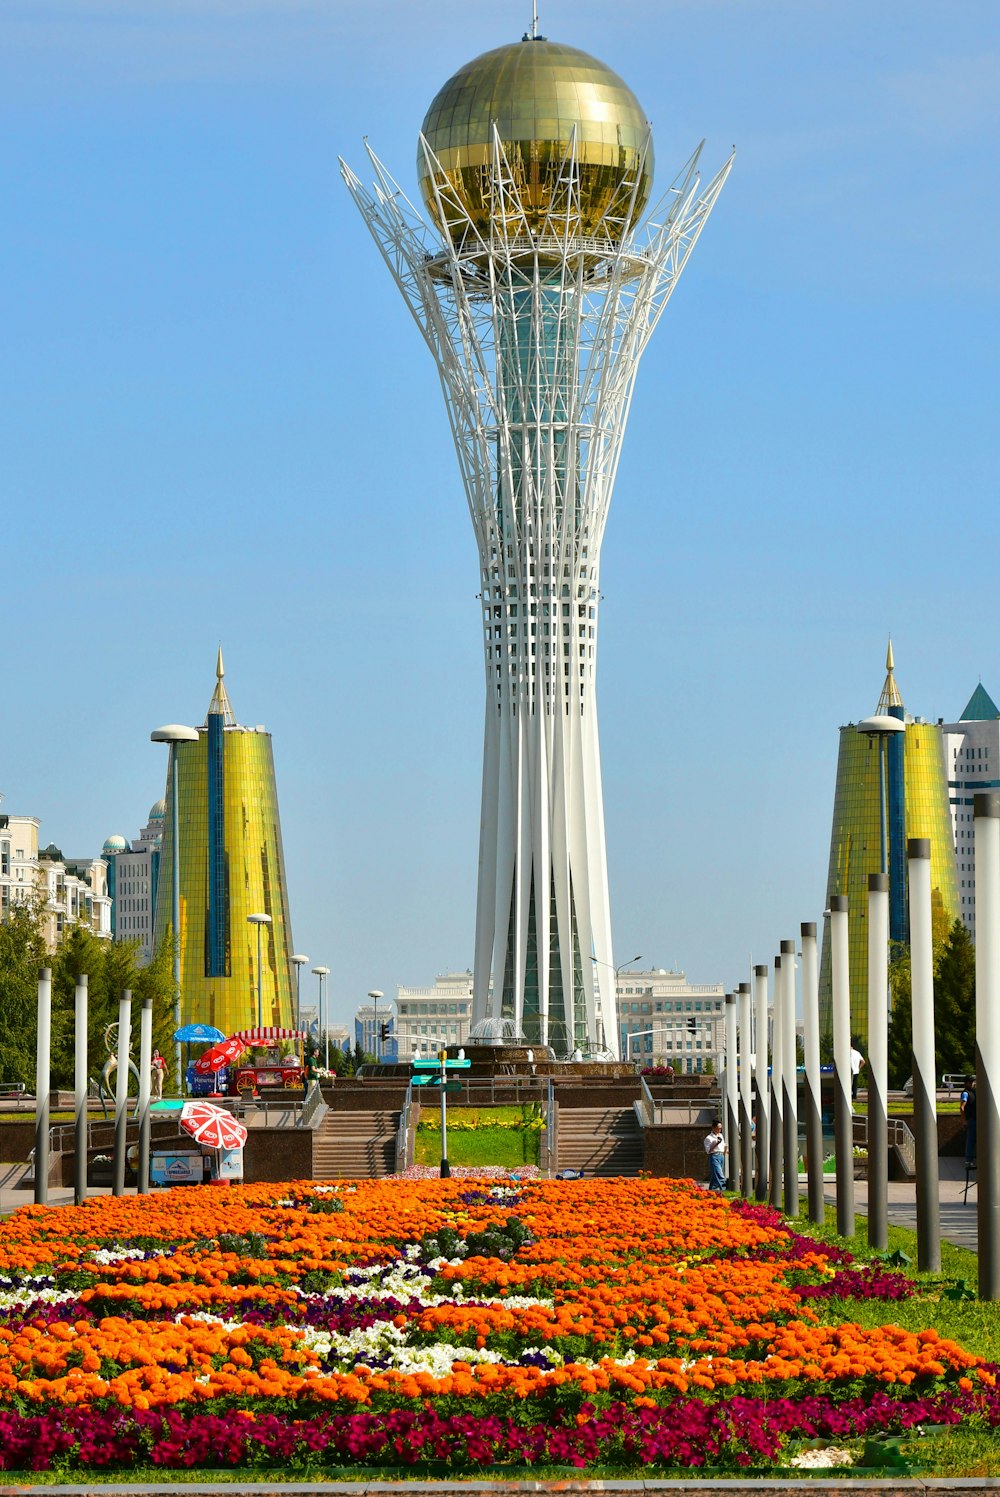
x: 959, y: 1217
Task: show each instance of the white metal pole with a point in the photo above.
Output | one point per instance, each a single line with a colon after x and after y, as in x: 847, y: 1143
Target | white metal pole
x: 732, y: 1093
x: 175, y: 914
x: 761, y: 1101
x: 445, y: 1166
x: 121, y: 1090
x: 260, y: 980
x: 43, y: 1086
x: 812, y: 1092
x: 777, y: 1139
x: 80, y: 1092
x: 746, y: 1089
x: 878, y: 1061
x: 789, y: 1082
x: 987, y: 825
x: 918, y: 859
x: 145, y: 1078
x: 843, y: 1117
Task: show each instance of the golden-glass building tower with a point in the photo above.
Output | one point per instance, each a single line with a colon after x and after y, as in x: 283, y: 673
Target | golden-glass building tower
x: 231, y: 866
x: 914, y: 786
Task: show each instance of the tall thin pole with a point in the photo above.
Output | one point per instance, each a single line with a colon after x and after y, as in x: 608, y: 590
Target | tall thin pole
x: 175, y: 913
x: 812, y: 1091
x: 732, y: 1095
x: 145, y: 1069
x: 80, y: 1091
x: 445, y: 1166
x: 918, y: 861
x: 987, y: 827
x: 746, y: 1090
x: 878, y: 1061
x: 43, y: 1086
x: 761, y: 1108
x: 121, y: 1091
x: 324, y: 1003
x: 777, y: 1138
x: 843, y: 1117
x: 260, y: 979
x: 789, y: 1082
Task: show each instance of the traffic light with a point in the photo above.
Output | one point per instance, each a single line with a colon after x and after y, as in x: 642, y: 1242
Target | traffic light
x: 384, y: 1032
x: 692, y: 1025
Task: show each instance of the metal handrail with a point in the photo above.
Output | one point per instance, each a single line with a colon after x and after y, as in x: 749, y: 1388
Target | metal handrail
x: 899, y: 1137
x: 403, y: 1131
x: 311, y: 1105
x: 647, y: 1104
x: 550, y: 1126
x: 12, y: 1089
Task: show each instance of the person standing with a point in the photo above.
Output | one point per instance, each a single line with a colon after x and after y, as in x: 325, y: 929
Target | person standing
x: 857, y: 1066
x: 967, y: 1108
x: 716, y: 1149
x: 157, y: 1068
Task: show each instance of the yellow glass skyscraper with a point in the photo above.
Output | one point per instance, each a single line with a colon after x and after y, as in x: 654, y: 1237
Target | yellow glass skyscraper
x: 916, y: 805
x: 231, y: 867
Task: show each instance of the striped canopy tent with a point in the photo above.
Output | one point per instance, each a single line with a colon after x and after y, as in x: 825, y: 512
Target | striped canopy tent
x: 267, y: 1034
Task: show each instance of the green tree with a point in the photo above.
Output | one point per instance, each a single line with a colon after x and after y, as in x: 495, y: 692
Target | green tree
x: 22, y: 957
x: 954, y: 1005
x: 111, y: 969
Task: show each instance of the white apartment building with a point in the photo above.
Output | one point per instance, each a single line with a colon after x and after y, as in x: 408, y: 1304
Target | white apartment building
x: 972, y: 756
x: 431, y: 1018
x: 663, y: 1019
x: 18, y: 860
x: 70, y: 891
x: 132, y: 878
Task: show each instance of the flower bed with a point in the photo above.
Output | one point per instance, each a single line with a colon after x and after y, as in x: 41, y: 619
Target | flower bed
x: 461, y: 1325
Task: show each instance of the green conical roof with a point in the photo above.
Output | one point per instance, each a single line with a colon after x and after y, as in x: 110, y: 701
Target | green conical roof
x: 982, y: 708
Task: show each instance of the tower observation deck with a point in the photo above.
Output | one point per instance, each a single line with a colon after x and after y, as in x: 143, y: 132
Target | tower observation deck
x: 537, y: 287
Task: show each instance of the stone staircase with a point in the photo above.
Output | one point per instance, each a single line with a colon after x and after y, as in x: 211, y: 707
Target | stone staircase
x: 355, y: 1145
x: 599, y: 1140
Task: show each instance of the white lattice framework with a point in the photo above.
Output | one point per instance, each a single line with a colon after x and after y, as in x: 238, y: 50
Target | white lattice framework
x: 537, y: 334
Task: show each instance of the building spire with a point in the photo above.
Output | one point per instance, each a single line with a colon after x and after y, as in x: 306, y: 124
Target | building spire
x: 890, y: 691
x: 220, y: 705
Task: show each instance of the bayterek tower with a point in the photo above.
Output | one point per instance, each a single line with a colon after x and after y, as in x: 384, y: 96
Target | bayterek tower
x: 536, y: 286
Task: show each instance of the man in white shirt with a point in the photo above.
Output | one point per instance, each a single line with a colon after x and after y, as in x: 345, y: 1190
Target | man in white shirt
x: 716, y: 1149
x: 857, y: 1066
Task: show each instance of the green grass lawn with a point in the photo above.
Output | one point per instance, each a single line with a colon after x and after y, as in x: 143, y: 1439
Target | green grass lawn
x: 478, y: 1136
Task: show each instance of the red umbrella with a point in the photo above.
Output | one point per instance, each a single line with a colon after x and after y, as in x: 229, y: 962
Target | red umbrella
x: 212, y: 1126
x: 220, y: 1055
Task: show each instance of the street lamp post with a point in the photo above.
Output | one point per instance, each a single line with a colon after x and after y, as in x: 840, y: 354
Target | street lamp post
x: 299, y: 962
x: 260, y: 921
x: 173, y: 734
x: 322, y: 972
x: 880, y: 729
x: 375, y: 994
x: 597, y: 961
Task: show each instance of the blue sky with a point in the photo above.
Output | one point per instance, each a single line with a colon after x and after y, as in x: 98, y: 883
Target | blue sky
x: 217, y: 422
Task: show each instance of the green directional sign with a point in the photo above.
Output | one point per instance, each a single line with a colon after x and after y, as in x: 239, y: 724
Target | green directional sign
x: 453, y: 1086
x: 423, y: 1080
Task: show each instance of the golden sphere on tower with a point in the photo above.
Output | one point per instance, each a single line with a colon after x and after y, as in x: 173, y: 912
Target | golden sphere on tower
x: 535, y: 91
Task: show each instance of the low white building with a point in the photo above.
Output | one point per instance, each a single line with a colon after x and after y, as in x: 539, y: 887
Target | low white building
x: 68, y: 891
x: 663, y: 1019
x: 431, y: 1018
